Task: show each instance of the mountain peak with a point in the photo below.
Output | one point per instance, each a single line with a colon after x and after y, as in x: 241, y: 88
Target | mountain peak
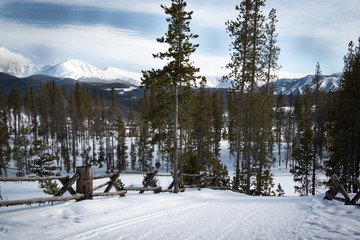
x: 82, y: 71
x: 288, y: 86
x: 75, y: 69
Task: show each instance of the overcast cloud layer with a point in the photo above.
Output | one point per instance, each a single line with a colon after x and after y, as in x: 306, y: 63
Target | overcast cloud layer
x: 123, y: 33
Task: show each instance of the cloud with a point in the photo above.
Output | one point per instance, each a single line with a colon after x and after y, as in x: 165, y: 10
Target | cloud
x: 309, y: 31
x: 99, y: 45
x: 140, y: 6
x: 8, y: 57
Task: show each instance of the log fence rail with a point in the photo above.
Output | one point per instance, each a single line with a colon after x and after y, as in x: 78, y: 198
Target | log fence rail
x: 338, y: 186
x: 85, y: 189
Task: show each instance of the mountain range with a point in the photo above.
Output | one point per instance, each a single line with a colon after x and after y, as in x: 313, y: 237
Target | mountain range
x: 73, y: 69
x: 87, y: 73
x: 288, y: 86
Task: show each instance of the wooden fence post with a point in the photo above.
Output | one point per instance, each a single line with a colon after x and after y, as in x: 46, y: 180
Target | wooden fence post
x: 357, y: 196
x: 151, y: 176
x: 84, y: 184
x: 173, y: 182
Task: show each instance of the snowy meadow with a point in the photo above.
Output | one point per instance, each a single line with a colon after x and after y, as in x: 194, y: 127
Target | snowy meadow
x: 193, y: 214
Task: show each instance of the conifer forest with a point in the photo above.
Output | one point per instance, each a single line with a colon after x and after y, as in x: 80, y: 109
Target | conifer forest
x: 179, y: 124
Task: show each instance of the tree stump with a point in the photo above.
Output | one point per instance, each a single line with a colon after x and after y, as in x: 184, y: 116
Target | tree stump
x: 84, y: 184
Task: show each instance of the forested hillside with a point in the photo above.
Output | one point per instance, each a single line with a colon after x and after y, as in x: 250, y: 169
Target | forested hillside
x: 44, y: 132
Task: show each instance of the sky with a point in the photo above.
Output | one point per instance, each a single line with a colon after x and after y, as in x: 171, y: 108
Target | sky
x: 122, y: 33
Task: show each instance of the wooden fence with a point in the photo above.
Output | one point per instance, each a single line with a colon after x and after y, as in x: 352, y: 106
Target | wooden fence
x: 338, y: 186
x: 85, y: 189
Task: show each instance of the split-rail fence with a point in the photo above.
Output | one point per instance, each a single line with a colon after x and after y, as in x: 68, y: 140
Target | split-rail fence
x: 85, y: 189
x: 339, y: 186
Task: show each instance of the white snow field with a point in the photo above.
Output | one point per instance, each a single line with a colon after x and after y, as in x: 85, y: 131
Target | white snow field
x: 193, y: 214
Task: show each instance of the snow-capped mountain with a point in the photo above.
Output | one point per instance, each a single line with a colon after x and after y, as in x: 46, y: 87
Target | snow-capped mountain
x: 74, y: 69
x: 21, y: 69
x: 86, y: 72
x: 288, y: 86
x: 216, y: 82
x: 130, y: 77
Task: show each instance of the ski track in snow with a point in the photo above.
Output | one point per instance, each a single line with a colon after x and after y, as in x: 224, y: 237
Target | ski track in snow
x: 205, y: 214
x: 113, y: 228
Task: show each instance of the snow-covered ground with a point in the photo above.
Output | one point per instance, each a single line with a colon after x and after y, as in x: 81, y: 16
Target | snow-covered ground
x: 193, y: 214
x: 205, y: 214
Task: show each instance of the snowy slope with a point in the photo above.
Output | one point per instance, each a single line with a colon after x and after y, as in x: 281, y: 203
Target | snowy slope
x: 74, y: 69
x: 21, y: 70
x: 288, y: 86
x: 116, y: 73
x: 212, y: 81
x: 85, y: 72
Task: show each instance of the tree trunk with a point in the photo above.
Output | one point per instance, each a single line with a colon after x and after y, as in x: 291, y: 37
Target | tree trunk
x: 176, y: 160
x: 251, y: 95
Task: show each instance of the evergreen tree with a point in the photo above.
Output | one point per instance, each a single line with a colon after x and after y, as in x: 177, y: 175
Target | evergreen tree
x: 232, y: 121
x: 345, y: 142
x: 303, y: 156
x: 34, y: 114
x: 272, y: 51
x: 4, y: 136
x: 279, y: 122
x: 121, y: 150
x: 303, y: 152
x: 280, y: 191
x: 65, y: 154
x: 179, y: 71
x: 317, y: 123
x: 80, y: 105
x: 143, y: 141
x: 254, y: 54
x: 256, y: 62
x: 101, y: 154
x: 217, y: 123
x: 15, y: 103
x: 44, y: 165
x: 27, y: 106
x: 74, y: 129
x: 288, y: 131
x: 44, y: 112
x: 202, y: 131
x: 261, y: 154
x: 144, y: 147
x: 133, y: 156
x: 239, y: 31
x: 298, y: 116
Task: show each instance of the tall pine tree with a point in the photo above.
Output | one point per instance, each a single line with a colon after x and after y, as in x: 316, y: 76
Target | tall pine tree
x: 253, y: 58
x: 179, y: 70
x: 345, y: 143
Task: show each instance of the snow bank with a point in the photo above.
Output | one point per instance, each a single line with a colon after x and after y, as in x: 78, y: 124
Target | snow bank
x: 205, y: 214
